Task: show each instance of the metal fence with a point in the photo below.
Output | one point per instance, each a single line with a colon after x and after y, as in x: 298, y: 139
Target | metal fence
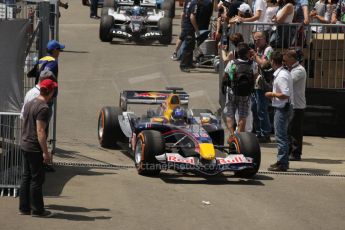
x: 42, y: 29
x: 322, y: 47
x: 10, y: 154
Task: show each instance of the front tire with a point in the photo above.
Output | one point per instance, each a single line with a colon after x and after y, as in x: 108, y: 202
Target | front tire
x: 107, y: 22
x: 149, y: 144
x: 247, y: 144
x: 165, y: 26
x: 109, y: 130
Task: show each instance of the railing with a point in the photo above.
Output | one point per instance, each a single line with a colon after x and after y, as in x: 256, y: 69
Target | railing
x: 10, y: 154
x: 323, y: 52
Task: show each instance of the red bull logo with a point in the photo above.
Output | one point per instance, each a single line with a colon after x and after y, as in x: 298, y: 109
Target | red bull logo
x: 150, y: 94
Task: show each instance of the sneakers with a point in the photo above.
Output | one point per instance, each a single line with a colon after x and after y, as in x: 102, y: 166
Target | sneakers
x: 24, y: 213
x: 174, y: 56
x: 277, y: 167
x: 44, y: 214
x: 295, y: 158
x: 185, y: 69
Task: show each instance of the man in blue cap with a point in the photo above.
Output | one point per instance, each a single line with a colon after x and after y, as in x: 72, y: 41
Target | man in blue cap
x: 50, y: 61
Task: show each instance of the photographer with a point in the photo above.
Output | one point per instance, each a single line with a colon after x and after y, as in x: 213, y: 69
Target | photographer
x: 226, y: 11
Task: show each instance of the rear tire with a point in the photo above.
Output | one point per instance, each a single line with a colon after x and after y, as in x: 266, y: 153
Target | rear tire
x: 248, y: 145
x: 165, y: 26
x: 169, y: 8
x: 149, y: 144
x: 109, y: 130
x: 107, y: 22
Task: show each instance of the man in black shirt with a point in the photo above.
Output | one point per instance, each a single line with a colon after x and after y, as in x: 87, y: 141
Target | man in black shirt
x: 35, y: 151
x: 204, y: 13
x: 189, y: 30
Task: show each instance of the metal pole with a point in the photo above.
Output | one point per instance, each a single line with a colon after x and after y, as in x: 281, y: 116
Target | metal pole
x: 56, y: 30
x: 44, y: 13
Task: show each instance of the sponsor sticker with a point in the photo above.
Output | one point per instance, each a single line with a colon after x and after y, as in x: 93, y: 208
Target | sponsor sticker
x: 179, y: 159
x: 233, y: 159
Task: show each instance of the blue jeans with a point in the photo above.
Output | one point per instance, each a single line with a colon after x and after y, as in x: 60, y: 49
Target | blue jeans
x: 281, y: 122
x: 260, y: 113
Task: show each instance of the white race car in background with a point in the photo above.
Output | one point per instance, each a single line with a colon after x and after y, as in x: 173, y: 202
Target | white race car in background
x: 138, y: 21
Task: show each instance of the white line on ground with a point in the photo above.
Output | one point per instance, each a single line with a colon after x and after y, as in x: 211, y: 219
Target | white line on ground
x: 143, y: 78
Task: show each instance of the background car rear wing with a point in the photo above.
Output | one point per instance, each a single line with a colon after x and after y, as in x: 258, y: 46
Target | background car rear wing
x: 151, y: 97
x: 131, y: 3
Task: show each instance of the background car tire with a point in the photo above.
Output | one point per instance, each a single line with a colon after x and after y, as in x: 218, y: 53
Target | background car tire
x: 153, y: 144
x: 107, y: 22
x: 104, y: 11
x: 169, y: 8
x: 109, y: 3
x: 248, y: 145
x: 165, y: 26
x: 109, y: 123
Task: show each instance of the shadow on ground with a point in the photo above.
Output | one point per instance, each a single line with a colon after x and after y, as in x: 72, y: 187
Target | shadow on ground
x: 221, y: 179
x: 67, y: 210
x: 71, y: 164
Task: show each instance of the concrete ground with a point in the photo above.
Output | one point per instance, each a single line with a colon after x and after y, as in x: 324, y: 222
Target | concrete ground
x: 97, y: 188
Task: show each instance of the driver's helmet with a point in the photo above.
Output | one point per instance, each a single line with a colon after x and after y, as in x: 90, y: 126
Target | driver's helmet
x: 136, y: 11
x: 178, y: 115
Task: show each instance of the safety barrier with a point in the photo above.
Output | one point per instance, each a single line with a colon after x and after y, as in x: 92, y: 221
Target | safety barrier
x: 321, y: 45
x: 10, y: 154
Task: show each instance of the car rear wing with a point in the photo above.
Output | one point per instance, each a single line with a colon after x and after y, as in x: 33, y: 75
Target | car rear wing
x: 131, y: 3
x: 150, y: 97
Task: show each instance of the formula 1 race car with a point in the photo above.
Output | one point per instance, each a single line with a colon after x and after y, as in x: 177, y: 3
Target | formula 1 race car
x: 138, y: 21
x: 175, y: 137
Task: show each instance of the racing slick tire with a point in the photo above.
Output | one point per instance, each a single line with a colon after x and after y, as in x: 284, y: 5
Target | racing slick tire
x: 105, y: 11
x: 169, y: 8
x: 165, y: 26
x: 149, y: 144
x: 107, y: 23
x: 109, y: 3
x: 109, y: 130
x: 85, y: 2
x: 247, y: 144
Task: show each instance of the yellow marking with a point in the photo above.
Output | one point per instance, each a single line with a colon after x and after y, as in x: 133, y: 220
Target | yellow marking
x: 207, y: 151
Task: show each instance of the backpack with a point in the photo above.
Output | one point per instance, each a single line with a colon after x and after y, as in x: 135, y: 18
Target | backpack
x: 242, y: 83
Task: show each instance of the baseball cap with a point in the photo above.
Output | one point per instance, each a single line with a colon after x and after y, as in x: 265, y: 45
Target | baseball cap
x: 48, y: 84
x: 245, y: 8
x: 55, y: 45
x: 47, y: 74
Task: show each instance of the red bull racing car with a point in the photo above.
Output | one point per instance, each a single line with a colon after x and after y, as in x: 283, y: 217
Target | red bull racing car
x: 176, y: 137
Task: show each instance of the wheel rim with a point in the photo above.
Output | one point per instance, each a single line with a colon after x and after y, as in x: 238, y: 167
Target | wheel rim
x: 100, y: 126
x: 138, y: 151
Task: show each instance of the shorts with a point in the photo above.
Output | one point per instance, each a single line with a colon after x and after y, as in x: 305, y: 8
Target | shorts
x: 239, y: 103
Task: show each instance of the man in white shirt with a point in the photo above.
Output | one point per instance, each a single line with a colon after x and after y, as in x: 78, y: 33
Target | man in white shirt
x: 295, y: 130
x: 35, y: 91
x: 282, y: 98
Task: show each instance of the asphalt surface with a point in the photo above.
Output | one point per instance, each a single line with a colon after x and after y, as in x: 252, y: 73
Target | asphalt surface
x: 96, y: 188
